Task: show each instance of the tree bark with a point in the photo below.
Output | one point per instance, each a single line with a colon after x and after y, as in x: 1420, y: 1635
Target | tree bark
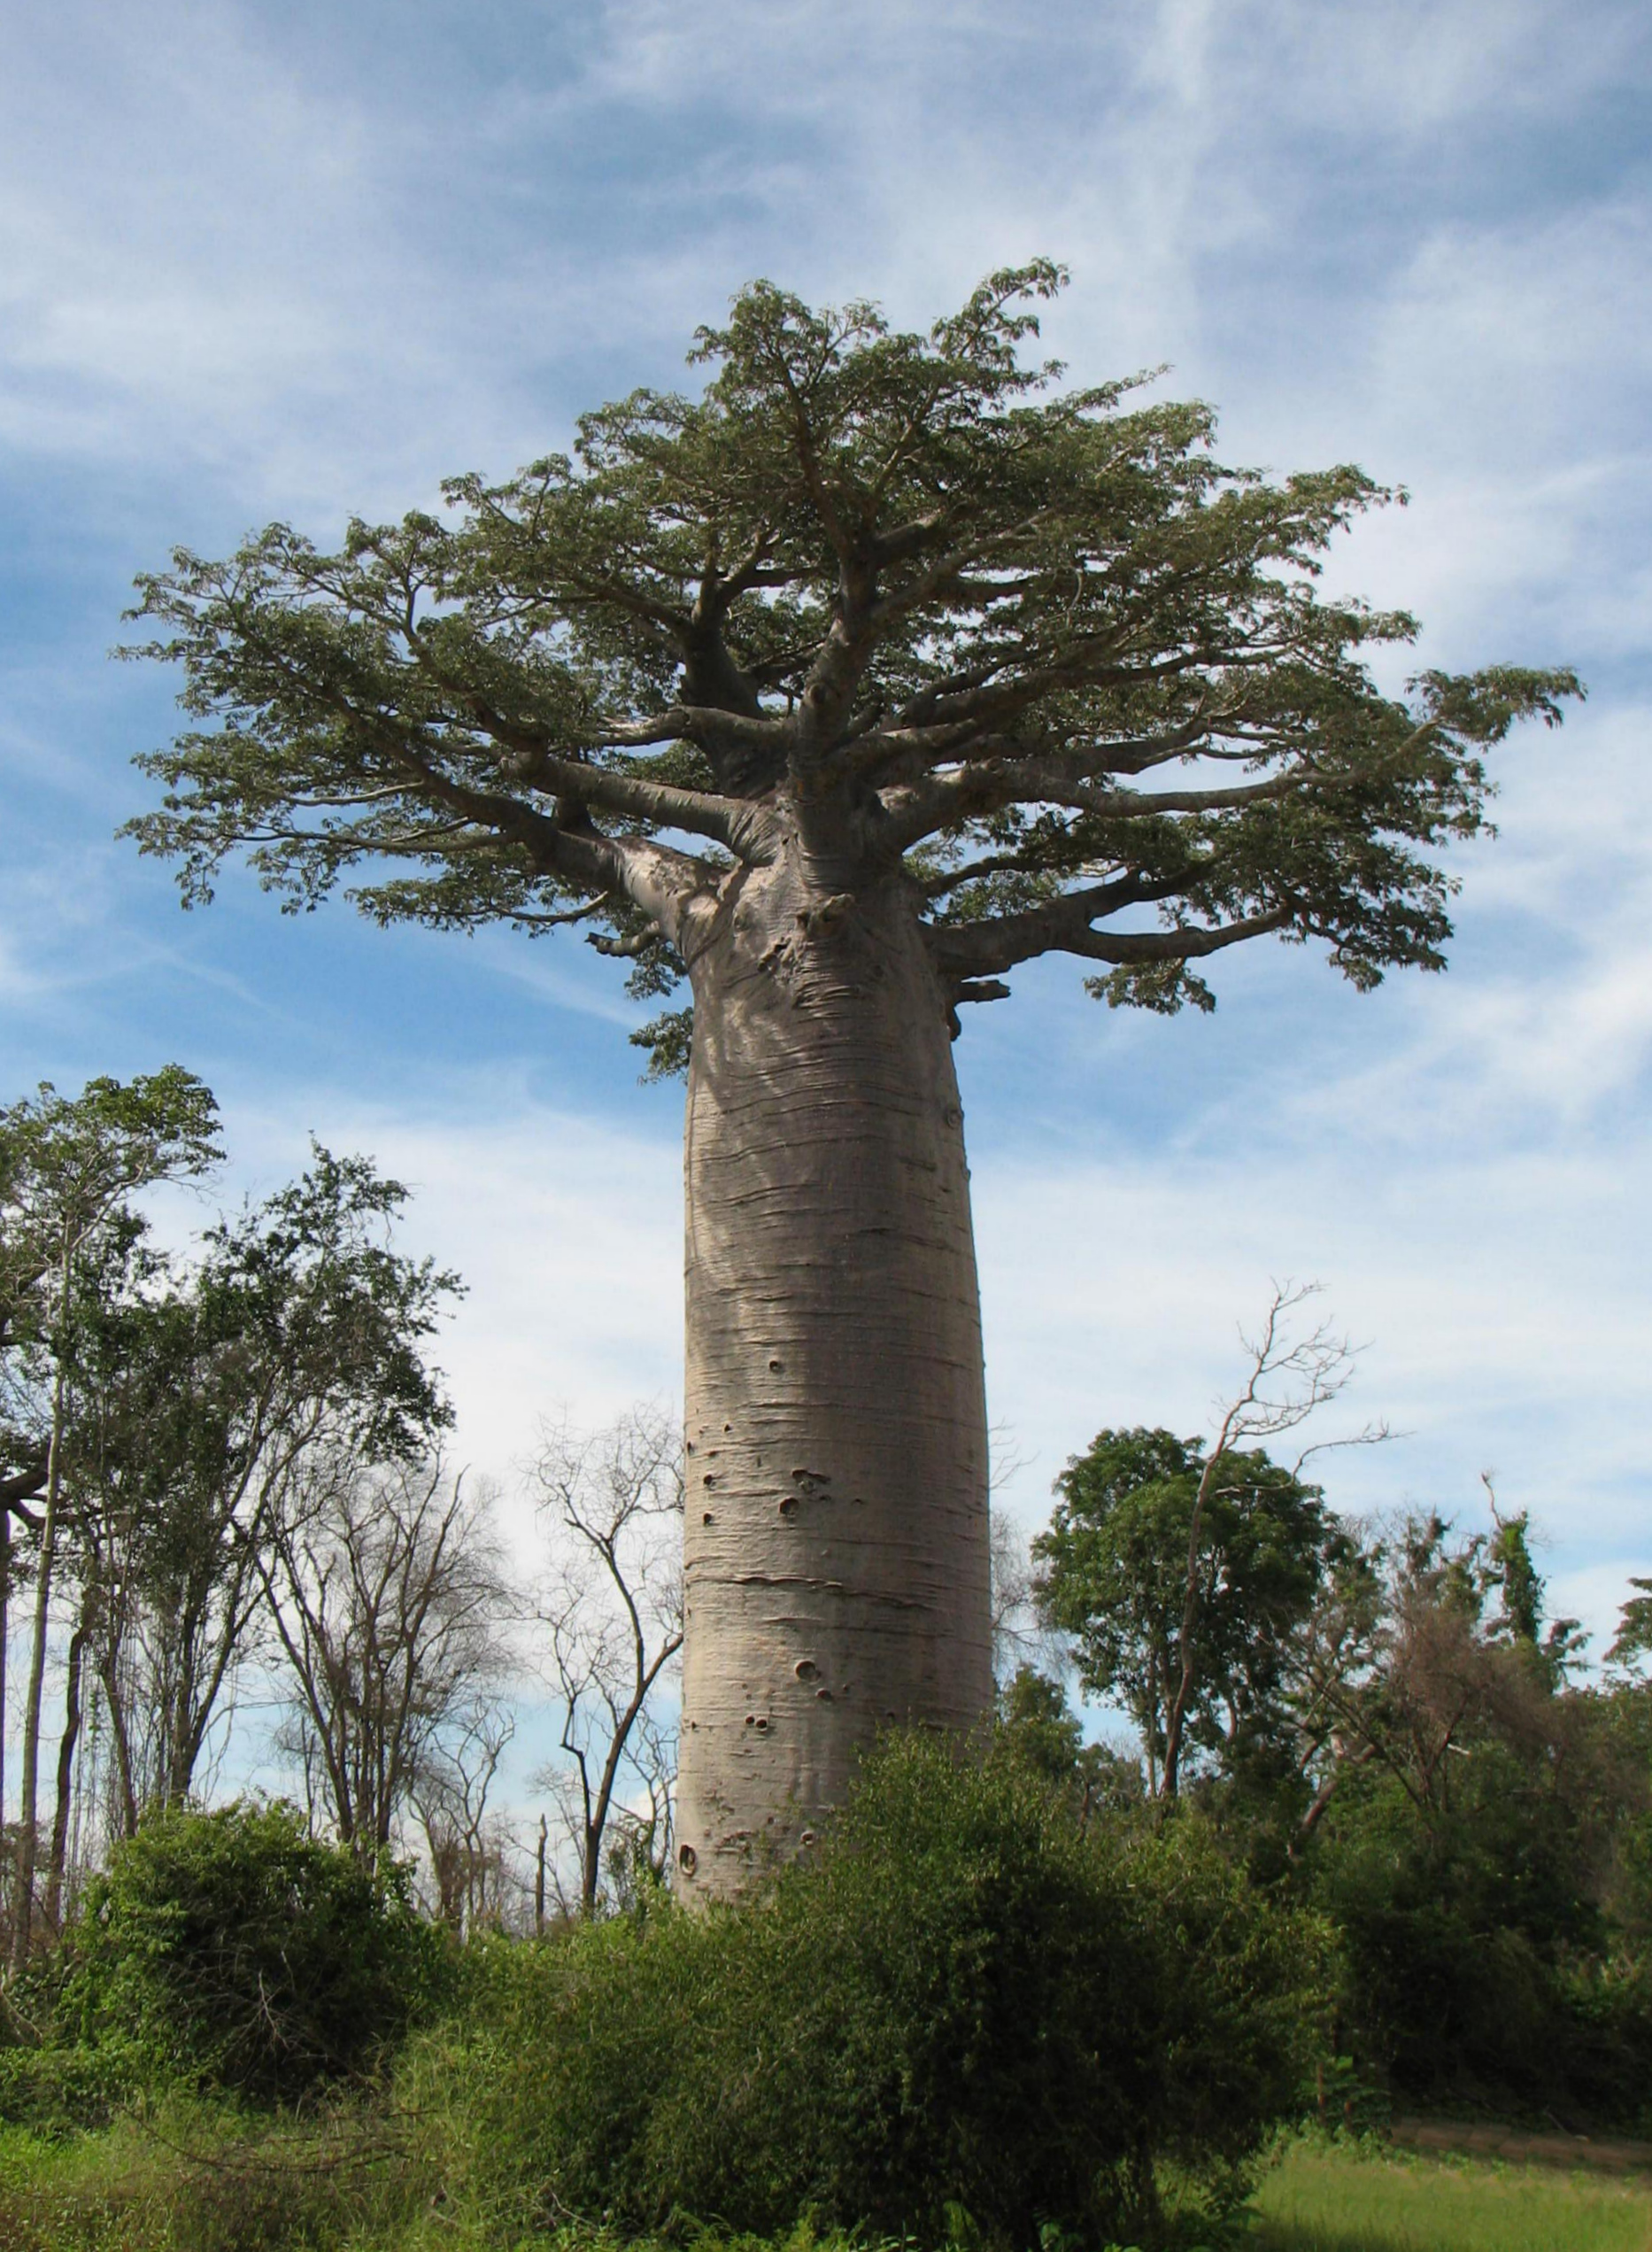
x: 57, y: 1867
x: 5, y: 1641
x: 836, y: 1572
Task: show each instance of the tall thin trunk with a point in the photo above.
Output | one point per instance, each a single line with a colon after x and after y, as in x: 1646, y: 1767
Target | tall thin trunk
x: 121, y: 1736
x: 28, y: 1808
x: 1175, y: 1720
x: 836, y: 1552
x: 67, y: 1746
x: 5, y: 1643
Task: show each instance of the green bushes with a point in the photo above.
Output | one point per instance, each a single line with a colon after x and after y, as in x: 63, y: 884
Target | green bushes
x: 968, y: 2013
x: 230, y: 1950
x: 1475, y: 1972
x: 196, y: 2177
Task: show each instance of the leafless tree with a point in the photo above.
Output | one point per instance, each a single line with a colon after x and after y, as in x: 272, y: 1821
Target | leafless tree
x: 388, y: 1600
x: 612, y: 1610
x: 1020, y: 1637
x: 468, y: 1847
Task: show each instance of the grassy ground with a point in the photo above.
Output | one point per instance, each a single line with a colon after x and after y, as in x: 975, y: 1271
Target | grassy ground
x: 1326, y: 2200
x: 133, y: 2190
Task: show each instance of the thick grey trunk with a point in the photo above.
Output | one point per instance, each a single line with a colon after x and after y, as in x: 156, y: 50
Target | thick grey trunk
x: 836, y: 1534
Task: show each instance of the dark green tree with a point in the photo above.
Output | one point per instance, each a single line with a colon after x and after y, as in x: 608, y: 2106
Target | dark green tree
x: 1114, y: 1574
x: 70, y: 1167
x: 1484, y: 1849
x: 227, y: 1949
x: 1631, y: 1651
x: 881, y: 668
x: 1041, y: 1730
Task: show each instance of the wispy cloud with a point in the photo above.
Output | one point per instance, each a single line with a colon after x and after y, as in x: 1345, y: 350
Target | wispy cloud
x: 301, y: 262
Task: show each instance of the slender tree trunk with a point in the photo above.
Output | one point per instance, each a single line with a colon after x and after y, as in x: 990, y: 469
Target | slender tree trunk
x: 28, y: 1808
x: 67, y: 1745
x: 121, y: 1736
x: 5, y: 1643
x: 837, y: 1573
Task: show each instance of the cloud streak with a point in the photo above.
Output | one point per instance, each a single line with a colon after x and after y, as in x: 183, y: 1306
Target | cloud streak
x: 298, y: 262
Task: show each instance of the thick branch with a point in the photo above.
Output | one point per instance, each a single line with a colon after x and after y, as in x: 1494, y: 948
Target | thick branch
x: 746, y: 830
x: 654, y: 878
x: 988, y: 786
x: 1064, y: 927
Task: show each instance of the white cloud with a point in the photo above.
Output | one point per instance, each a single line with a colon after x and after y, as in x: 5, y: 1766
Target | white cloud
x: 567, y: 1232
x: 247, y: 270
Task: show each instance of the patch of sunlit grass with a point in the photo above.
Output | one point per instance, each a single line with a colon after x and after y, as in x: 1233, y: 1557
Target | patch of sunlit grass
x: 1320, y: 2199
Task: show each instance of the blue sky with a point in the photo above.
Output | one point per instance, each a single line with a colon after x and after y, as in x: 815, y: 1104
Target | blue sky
x: 283, y: 260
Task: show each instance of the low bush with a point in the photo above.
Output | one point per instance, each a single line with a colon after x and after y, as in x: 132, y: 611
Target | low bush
x: 56, y: 2091
x: 193, y: 2176
x: 968, y: 2015
x: 228, y: 1949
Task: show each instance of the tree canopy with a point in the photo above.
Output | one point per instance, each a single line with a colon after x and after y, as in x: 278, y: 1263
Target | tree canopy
x: 1035, y: 647
x: 1114, y: 1574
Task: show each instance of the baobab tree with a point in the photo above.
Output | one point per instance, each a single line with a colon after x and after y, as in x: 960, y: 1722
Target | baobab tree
x: 879, y: 669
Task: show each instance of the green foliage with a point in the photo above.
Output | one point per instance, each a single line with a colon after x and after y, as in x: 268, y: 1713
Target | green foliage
x: 668, y: 1038
x: 56, y: 2090
x: 69, y: 1167
x: 901, y: 585
x: 228, y: 1949
x: 1038, y: 1727
x: 1481, y: 1855
x: 1631, y: 1646
x: 965, y: 1999
x: 1112, y: 1574
x: 189, y: 2176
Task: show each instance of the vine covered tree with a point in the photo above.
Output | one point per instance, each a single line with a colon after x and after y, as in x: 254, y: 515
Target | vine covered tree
x: 879, y: 669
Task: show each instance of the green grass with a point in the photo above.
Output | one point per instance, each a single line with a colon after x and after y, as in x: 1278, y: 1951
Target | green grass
x: 1321, y: 2199
x: 131, y: 2189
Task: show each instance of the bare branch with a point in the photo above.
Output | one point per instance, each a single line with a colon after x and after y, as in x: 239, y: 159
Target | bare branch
x: 613, y: 1610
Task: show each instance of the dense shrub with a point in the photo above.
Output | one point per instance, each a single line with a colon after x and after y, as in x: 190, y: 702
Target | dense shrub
x: 228, y: 1949
x: 1477, y: 1971
x: 967, y: 2003
x: 53, y: 2090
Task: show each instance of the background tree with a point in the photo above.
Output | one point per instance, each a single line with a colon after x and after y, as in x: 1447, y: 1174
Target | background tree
x: 72, y: 1167
x: 468, y: 1850
x: 226, y: 1950
x: 1478, y: 1852
x: 1114, y: 1576
x: 200, y: 1399
x: 878, y: 670
x: 387, y: 1595
x: 1036, y: 1723
x: 612, y: 1613
x: 22, y: 1447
